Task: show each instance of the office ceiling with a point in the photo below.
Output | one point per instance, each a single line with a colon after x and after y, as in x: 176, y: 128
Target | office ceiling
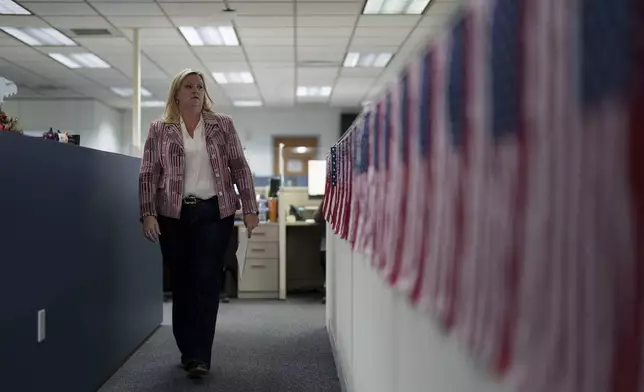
x: 283, y: 44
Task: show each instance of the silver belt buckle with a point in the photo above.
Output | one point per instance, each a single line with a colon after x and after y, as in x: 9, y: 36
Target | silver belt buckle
x: 190, y: 200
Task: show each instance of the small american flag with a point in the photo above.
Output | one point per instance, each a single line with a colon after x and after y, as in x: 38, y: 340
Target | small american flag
x: 373, y: 181
x: 379, y: 257
x: 393, y: 207
x: 427, y: 118
x: 360, y: 180
x: 411, y: 197
x: 333, y: 182
x: 350, y: 145
x: 356, y: 190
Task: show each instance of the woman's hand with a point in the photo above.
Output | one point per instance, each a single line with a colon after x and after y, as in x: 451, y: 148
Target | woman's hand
x: 251, y: 221
x: 151, y: 228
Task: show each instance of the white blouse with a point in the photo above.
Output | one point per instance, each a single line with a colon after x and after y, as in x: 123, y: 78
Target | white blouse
x: 198, y: 177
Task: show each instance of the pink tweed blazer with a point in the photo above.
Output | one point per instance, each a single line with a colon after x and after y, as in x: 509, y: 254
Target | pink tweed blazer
x: 162, y: 168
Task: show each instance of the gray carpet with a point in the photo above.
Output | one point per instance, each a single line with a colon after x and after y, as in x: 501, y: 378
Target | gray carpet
x: 260, y: 346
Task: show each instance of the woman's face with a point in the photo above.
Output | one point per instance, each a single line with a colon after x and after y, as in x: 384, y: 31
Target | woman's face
x: 191, y: 93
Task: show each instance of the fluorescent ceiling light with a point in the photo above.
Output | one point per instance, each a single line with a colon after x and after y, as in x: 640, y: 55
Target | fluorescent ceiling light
x: 80, y: 60
x: 8, y: 7
x: 210, y: 36
x: 127, y: 92
x: 414, y: 7
x: 39, y: 36
x: 375, y: 60
x: 247, y: 104
x: 301, y: 150
x: 152, y: 104
x: 303, y: 91
x: 233, y: 77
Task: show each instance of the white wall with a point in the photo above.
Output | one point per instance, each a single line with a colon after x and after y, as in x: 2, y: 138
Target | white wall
x: 258, y: 126
x: 100, y: 126
x: 381, y: 343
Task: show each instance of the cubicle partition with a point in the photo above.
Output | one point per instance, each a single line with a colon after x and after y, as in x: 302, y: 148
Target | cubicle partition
x: 71, y: 246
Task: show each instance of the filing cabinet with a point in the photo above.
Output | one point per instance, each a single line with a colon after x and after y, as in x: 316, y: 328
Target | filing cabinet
x: 260, y: 278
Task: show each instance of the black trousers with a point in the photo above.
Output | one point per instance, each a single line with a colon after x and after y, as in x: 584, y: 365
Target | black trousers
x: 194, y: 247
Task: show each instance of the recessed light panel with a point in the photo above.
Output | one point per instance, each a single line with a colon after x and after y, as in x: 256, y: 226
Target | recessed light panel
x: 39, y: 36
x: 210, y: 36
x: 79, y: 60
x: 394, y: 7
x: 373, y: 60
x: 8, y: 7
x: 127, y: 92
x: 324, y: 91
x: 247, y: 104
x: 152, y: 104
x: 233, y: 77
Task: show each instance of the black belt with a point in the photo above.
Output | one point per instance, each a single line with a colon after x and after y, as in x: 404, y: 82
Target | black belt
x: 190, y: 200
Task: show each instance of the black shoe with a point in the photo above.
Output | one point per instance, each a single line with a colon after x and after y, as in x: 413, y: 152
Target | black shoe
x: 197, y: 370
x: 224, y: 299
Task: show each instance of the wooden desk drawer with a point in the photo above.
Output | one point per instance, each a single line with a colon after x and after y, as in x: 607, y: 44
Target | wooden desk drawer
x: 265, y: 233
x: 263, y: 250
x: 260, y: 275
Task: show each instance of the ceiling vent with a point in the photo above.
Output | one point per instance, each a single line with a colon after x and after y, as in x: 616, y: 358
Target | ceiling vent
x: 91, y: 32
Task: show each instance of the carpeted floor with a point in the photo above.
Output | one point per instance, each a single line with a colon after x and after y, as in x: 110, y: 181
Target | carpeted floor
x: 260, y: 346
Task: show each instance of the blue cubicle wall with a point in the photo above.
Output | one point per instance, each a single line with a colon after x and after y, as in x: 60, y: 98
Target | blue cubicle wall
x: 71, y: 243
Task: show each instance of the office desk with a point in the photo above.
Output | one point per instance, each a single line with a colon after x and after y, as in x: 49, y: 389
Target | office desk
x: 303, y: 268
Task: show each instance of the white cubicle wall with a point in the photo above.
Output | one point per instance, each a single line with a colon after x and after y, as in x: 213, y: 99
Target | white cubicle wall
x: 381, y: 343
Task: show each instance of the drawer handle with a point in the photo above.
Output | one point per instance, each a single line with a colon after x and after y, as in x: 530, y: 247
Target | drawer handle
x: 258, y: 250
x: 259, y: 233
x: 258, y: 266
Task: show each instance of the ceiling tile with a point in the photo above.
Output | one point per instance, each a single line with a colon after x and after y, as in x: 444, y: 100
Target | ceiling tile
x: 316, y: 32
x: 128, y: 9
x: 268, y: 41
x: 214, y: 54
x: 241, y: 91
x: 317, y: 76
x: 320, y: 54
x: 390, y: 40
x: 326, y: 21
x: 157, y: 37
x: 19, y: 54
x: 74, y: 22
x: 270, y: 53
x: 199, y: 20
x: 323, y: 41
x: 22, y: 21
x: 140, y: 21
x: 210, y: 9
x: 61, y: 9
x: 361, y: 72
x: 388, y: 20
x: 265, y: 21
x: 262, y: 8
x: 106, y: 45
x: 363, y: 31
x: 282, y: 32
x: 227, y: 66
x: 328, y: 8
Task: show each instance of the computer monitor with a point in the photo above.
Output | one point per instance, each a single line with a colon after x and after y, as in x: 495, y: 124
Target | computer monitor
x: 316, y: 179
x: 274, y: 186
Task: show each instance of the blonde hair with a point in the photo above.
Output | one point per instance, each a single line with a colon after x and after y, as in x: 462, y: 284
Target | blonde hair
x: 171, y: 113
